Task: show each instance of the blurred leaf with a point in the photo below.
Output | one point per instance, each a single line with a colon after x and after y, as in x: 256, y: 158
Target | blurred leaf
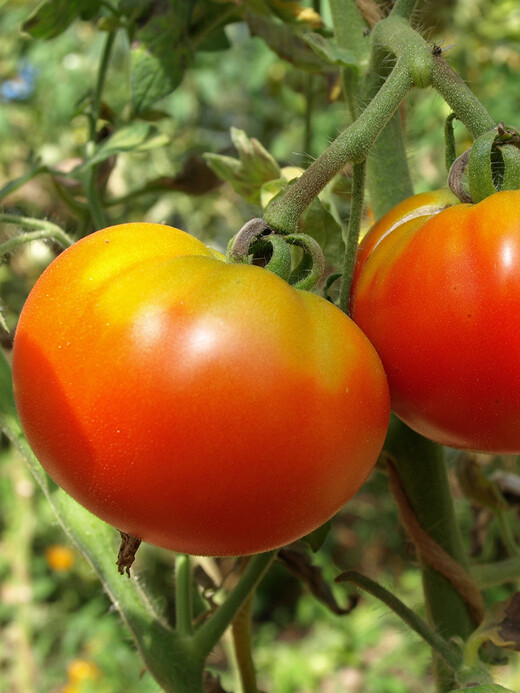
x: 319, y: 223
x: 195, y: 178
x: 218, y: 41
x: 301, y: 566
x: 52, y: 17
x: 161, y: 53
x: 329, y: 50
x: 286, y: 42
x: 254, y: 167
x: 139, y: 136
x: 485, y: 688
x: 16, y: 183
x: 501, y: 625
x: 475, y: 485
x: 315, y: 539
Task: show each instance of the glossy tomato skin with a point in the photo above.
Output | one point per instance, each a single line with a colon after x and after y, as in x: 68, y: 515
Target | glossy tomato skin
x: 204, y: 407
x: 439, y: 297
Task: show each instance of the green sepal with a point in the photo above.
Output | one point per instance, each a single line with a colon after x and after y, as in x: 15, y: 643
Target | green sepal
x: 480, y: 171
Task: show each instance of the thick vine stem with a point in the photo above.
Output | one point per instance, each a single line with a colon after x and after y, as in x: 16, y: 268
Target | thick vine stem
x: 416, y: 65
x: 352, y: 145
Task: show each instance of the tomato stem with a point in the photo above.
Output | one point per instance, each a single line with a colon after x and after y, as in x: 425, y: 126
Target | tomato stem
x: 415, y: 66
x: 351, y: 244
x: 46, y: 231
x: 212, y: 630
x: 91, y: 188
x: 183, y: 595
x: 413, y: 620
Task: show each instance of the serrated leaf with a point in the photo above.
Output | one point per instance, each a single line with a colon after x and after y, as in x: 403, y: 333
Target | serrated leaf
x: 329, y: 50
x: 247, y: 174
x: 501, y: 625
x: 160, y: 53
x: 52, y: 17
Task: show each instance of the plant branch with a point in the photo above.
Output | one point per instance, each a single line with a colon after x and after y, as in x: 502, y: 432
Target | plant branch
x: 213, y: 629
x: 183, y: 595
x: 413, y: 620
x: 94, y: 202
x: 351, y: 244
x: 45, y: 230
x: 351, y: 146
x: 403, y: 8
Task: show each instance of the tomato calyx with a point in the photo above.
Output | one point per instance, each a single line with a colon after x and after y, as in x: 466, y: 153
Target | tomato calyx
x: 491, y: 165
x: 257, y: 243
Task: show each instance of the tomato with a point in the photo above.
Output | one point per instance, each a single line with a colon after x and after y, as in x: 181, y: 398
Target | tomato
x: 204, y: 407
x: 438, y: 294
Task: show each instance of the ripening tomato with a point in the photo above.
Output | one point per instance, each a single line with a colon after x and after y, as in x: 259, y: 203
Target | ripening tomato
x: 437, y: 291
x: 204, y: 407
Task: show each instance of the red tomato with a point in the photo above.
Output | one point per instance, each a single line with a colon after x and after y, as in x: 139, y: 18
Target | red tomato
x: 439, y: 297
x: 204, y: 407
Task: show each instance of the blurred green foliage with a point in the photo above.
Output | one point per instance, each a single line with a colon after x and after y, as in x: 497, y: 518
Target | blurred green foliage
x: 59, y: 631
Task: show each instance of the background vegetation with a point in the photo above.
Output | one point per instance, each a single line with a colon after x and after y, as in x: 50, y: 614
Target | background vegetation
x: 59, y: 632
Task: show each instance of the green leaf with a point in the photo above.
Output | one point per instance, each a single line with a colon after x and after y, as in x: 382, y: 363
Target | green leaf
x: 52, y: 17
x: 160, y: 53
x: 247, y: 174
x: 139, y: 136
x: 329, y: 50
x: 286, y: 42
x: 218, y: 41
x: 316, y: 539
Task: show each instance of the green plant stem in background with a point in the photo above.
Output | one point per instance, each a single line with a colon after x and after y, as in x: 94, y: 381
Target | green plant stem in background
x: 351, y: 244
x: 242, y: 643
x: 212, y: 630
x: 350, y: 31
x: 93, y: 197
x: 183, y: 595
x: 403, y: 8
x: 422, y: 470
x: 489, y: 574
x: 45, y: 231
x: 450, y: 656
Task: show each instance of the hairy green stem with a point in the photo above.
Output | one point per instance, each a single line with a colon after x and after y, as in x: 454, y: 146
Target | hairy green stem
x: 351, y: 244
x: 460, y: 98
x: 212, y: 630
x: 403, y: 8
x: 183, y: 595
x: 46, y: 231
x: 352, y: 145
x: 413, y: 620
